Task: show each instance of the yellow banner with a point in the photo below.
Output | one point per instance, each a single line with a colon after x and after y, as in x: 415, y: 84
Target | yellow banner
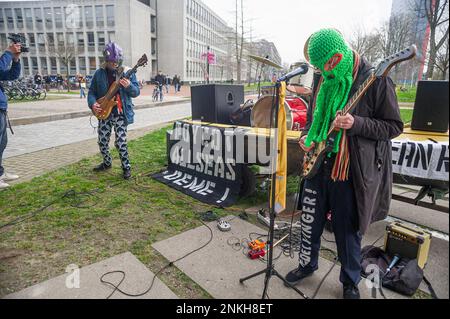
x: 281, y: 168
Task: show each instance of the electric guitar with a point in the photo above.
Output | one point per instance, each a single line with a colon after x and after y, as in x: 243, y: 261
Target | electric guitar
x: 108, y: 102
x: 315, y: 157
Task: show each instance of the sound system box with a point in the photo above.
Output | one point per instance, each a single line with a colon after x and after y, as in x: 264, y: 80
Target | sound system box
x: 431, y: 109
x: 214, y: 103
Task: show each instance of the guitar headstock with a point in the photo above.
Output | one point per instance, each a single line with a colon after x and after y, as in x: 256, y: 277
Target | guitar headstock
x: 387, y: 64
x: 143, y: 61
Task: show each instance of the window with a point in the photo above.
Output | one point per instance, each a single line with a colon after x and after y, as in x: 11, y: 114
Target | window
x: 92, y: 64
x: 38, y: 16
x: 44, y: 65
x: 31, y: 42
x: 91, y: 41
x: 34, y: 65
x: 60, y: 39
x: 111, y: 36
x: 26, y: 66
x: 19, y: 17
x: 153, y: 24
x: 80, y: 40
x: 48, y: 18
x: 28, y: 19
x: 2, y: 20
x: 101, y: 40
x: 82, y: 65
x: 58, y: 18
x: 41, y: 42
x: 110, y: 16
x: 53, y: 66
x: 9, y: 18
x: 51, y: 41
x: 89, y: 16
x: 3, y: 41
x: 70, y: 39
x: 100, y: 16
x: 73, y: 66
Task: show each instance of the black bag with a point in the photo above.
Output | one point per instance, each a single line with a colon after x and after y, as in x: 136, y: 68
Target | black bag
x: 404, y: 278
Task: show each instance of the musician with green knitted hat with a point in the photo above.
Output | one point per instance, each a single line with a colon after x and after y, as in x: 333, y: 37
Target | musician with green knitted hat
x: 354, y: 182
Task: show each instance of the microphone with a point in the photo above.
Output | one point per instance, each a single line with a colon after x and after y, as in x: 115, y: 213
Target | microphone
x: 301, y: 70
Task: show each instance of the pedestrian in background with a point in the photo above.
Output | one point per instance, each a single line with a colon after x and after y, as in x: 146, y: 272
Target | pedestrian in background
x: 161, y: 80
x: 9, y: 71
x: 176, y: 83
x: 82, y: 86
x: 167, y: 84
x: 60, y: 82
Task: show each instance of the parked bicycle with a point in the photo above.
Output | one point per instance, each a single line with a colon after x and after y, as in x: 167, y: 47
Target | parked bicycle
x: 23, y: 89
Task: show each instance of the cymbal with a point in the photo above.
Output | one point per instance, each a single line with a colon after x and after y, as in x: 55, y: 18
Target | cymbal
x: 265, y: 61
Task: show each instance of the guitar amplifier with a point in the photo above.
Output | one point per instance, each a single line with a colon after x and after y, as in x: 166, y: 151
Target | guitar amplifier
x: 407, y: 242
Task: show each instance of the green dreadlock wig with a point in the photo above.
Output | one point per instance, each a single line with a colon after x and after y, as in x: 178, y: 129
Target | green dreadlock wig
x: 335, y: 89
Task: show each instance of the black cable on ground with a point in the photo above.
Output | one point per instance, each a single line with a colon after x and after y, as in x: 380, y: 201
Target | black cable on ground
x: 170, y: 264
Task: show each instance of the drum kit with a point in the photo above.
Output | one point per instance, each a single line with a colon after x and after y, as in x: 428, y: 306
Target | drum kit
x: 299, y: 92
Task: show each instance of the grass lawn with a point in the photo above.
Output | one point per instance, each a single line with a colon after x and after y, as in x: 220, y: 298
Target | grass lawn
x: 406, y: 115
x: 76, y: 92
x: 48, y: 98
x: 408, y: 96
x: 108, y: 217
x: 254, y: 86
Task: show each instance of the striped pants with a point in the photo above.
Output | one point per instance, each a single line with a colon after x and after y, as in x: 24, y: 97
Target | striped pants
x: 104, y: 135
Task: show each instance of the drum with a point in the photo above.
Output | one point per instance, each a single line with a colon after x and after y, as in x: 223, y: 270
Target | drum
x: 296, y: 110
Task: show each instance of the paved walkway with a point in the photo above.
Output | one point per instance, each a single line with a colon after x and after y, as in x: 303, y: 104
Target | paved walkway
x: 70, y: 105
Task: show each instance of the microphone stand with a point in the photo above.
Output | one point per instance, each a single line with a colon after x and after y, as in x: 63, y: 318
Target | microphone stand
x: 270, y: 269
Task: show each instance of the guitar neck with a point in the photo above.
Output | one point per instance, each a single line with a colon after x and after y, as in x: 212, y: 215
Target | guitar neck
x: 356, y: 97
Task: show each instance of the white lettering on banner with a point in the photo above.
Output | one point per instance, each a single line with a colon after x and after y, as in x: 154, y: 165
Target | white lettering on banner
x: 425, y: 160
x: 224, y: 197
x: 308, y: 212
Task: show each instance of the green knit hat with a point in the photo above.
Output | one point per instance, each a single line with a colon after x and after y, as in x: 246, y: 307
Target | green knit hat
x: 323, y: 45
x: 335, y: 88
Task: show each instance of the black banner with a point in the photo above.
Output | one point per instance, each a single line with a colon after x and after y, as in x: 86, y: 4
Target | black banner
x: 202, y: 165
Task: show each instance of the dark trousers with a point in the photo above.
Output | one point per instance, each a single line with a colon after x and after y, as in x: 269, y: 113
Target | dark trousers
x: 3, y: 137
x: 320, y: 196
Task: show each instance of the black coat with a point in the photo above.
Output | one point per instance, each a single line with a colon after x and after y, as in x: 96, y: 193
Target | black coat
x: 377, y: 122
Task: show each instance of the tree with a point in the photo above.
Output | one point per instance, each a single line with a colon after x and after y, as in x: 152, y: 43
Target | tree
x: 436, y: 13
x: 366, y: 44
x: 395, y: 35
x: 65, y: 52
x: 239, y: 40
x: 442, y: 61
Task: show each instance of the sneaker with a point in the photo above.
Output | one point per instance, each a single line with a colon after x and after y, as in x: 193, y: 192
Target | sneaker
x: 297, y: 275
x: 3, y: 185
x: 351, y: 292
x: 127, y: 174
x: 8, y: 177
x: 101, y: 168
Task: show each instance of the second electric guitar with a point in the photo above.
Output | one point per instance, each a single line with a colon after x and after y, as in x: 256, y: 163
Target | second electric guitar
x: 108, y: 102
x: 314, y: 158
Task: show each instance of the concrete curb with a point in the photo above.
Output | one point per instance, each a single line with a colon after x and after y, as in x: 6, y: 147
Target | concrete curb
x: 73, y: 115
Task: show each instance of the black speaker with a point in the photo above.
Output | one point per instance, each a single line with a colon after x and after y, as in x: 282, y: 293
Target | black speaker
x: 431, y: 109
x: 214, y: 103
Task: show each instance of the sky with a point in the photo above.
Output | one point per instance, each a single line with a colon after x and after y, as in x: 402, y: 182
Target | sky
x: 289, y: 23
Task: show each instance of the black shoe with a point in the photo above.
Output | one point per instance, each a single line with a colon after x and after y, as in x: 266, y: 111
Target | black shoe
x: 351, y: 292
x: 297, y: 275
x: 127, y: 174
x: 102, y: 167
